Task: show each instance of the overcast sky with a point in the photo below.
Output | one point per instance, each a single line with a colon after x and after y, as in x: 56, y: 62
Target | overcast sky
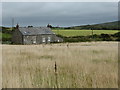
x: 59, y: 13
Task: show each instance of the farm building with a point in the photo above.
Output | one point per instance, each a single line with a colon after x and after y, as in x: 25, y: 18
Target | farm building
x: 34, y: 35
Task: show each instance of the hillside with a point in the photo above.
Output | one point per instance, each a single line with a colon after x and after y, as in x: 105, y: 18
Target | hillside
x: 102, y: 26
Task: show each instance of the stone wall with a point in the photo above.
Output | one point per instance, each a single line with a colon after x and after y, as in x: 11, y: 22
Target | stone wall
x: 17, y: 37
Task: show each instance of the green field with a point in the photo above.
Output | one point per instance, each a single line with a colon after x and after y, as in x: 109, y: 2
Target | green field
x: 72, y: 32
x: 5, y: 35
x: 83, y: 32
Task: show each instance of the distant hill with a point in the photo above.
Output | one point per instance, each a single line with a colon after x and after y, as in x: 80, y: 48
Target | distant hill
x: 102, y: 26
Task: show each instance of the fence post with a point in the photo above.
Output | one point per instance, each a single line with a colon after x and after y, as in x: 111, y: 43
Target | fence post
x: 56, y: 77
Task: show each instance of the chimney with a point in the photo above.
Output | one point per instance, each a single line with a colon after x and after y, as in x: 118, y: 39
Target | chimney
x: 17, y: 26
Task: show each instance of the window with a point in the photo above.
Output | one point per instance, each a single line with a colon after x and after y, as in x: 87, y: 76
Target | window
x: 24, y: 40
x: 34, y: 42
x: 27, y: 36
x: 34, y: 39
x: 49, y: 39
x: 43, y: 39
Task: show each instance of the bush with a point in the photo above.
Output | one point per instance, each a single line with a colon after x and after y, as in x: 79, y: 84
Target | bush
x: 116, y: 34
x: 118, y: 39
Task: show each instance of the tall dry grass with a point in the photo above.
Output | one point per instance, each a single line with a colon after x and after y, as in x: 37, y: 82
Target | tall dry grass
x: 0, y: 66
x: 79, y: 65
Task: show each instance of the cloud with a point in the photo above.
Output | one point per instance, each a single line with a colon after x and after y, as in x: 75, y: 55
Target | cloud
x: 60, y: 0
x: 0, y: 14
x: 63, y: 13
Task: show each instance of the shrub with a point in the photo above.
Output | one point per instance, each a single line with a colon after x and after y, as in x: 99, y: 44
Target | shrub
x: 116, y: 34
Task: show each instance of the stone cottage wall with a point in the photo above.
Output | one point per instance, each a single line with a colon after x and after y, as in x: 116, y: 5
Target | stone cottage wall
x: 17, y: 37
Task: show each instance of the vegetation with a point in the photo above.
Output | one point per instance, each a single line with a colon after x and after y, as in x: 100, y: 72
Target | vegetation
x: 74, y: 35
x: 6, y: 35
x: 50, y: 26
x: 98, y: 32
x: 94, y: 37
x: 103, y: 26
x: 69, y: 33
x: 62, y: 65
x: 79, y: 65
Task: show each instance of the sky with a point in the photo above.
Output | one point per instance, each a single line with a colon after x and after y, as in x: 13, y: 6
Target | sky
x: 58, y: 13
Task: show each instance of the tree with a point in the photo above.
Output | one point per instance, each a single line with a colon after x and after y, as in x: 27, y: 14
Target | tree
x: 50, y: 26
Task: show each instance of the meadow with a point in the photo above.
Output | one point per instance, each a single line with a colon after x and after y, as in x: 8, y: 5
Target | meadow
x: 78, y: 65
x: 83, y: 32
x: 5, y: 35
x: 67, y: 33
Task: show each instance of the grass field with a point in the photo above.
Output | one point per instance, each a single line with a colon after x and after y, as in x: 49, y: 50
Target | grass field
x: 79, y: 65
x: 83, y: 32
x: 5, y: 35
x: 72, y: 32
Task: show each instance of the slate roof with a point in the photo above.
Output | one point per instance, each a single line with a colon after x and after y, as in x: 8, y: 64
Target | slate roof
x: 35, y: 30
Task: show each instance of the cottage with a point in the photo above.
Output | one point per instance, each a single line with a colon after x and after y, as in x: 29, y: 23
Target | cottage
x: 34, y: 35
